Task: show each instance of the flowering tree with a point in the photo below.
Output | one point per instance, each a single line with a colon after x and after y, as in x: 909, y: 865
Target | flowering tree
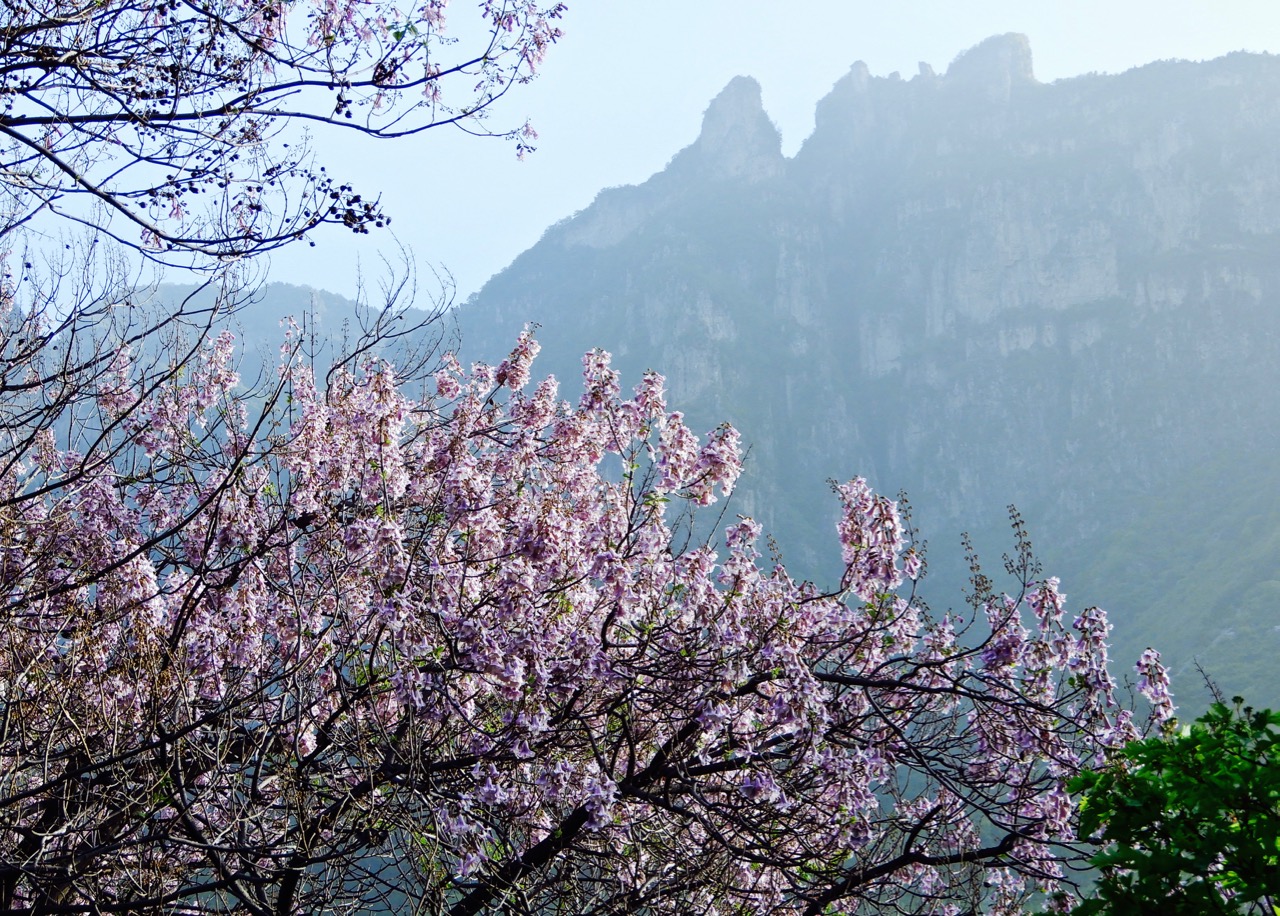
x: 435, y: 649
x: 356, y: 643
x: 162, y: 123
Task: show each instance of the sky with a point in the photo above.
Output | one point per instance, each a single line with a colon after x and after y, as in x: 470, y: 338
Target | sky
x: 625, y: 89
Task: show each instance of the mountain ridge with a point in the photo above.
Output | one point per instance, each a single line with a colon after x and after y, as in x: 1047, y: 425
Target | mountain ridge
x: 974, y: 286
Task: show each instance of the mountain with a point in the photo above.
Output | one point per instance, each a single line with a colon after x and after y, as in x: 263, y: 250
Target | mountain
x: 984, y: 290
x: 331, y: 326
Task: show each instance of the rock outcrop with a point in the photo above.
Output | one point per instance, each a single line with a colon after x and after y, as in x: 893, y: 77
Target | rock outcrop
x: 737, y: 142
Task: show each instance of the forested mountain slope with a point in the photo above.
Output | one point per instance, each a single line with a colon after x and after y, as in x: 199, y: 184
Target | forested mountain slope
x: 985, y: 290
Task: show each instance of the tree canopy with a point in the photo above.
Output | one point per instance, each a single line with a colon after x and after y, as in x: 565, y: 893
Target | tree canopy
x: 1191, y: 821
x: 445, y: 650
x: 419, y: 637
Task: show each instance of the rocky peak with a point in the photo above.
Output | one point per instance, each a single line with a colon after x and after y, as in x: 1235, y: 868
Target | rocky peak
x: 994, y: 67
x: 859, y: 110
x: 871, y: 113
x: 737, y: 141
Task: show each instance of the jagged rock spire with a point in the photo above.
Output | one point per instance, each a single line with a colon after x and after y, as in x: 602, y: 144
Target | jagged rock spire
x: 994, y: 66
x: 737, y: 141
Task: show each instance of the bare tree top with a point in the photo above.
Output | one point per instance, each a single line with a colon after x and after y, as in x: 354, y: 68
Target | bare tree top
x: 166, y: 125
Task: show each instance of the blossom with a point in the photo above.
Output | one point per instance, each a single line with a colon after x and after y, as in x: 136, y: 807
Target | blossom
x: 466, y: 629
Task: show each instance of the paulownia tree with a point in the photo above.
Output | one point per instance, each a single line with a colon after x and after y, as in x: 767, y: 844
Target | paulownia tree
x: 178, y: 127
x: 355, y: 644
x: 438, y: 649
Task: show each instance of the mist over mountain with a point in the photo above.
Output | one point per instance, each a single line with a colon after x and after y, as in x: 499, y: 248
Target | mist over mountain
x: 982, y: 289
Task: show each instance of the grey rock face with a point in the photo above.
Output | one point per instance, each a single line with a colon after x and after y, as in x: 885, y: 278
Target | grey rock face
x: 993, y: 68
x: 737, y: 142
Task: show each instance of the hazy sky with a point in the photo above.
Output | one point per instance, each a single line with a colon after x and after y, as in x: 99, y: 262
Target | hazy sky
x: 626, y: 88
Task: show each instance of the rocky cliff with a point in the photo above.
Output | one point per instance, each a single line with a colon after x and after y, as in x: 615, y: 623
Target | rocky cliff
x: 974, y: 286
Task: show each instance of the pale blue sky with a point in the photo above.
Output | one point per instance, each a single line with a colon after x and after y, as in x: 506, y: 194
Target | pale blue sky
x: 626, y: 88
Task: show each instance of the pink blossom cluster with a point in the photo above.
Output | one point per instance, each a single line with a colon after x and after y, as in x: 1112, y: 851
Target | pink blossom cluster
x: 436, y: 631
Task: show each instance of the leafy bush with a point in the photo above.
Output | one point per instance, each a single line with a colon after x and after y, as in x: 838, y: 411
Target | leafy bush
x: 1192, y: 821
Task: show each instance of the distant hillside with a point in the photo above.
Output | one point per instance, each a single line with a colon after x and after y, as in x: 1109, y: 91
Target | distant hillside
x: 983, y: 289
x: 332, y: 322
